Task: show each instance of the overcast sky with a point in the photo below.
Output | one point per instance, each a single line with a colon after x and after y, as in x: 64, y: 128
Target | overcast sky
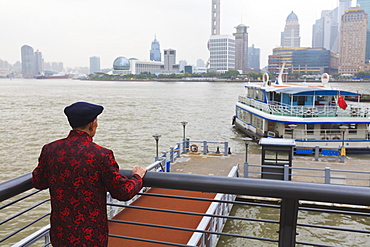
x: 71, y: 31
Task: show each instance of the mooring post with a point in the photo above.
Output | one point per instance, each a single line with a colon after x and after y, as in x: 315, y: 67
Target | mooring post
x: 205, y: 147
x: 226, y: 152
x: 317, y: 153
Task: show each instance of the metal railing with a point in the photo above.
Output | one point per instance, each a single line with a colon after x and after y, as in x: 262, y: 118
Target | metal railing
x: 278, y: 108
x: 292, y: 197
x: 315, y: 175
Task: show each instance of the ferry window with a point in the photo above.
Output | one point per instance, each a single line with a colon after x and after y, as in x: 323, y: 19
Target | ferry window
x: 257, y: 95
x: 352, y: 128
x: 288, y: 130
x: 301, y: 100
x: 330, y: 129
x: 277, y: 97
x: 310, y: 129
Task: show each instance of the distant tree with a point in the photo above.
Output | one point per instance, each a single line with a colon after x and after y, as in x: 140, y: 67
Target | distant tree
x: 230, y: 74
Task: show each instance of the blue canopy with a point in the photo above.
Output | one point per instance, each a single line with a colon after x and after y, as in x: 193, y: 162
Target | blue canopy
x: 307, y: 91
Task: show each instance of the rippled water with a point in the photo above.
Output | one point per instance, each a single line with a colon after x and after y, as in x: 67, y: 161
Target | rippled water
x: 31, y: 115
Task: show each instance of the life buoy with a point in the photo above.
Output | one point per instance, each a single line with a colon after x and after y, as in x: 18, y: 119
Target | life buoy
x: 336, y: 138
x: 194, y: 148
x: 308, y: 112
x: 325, y: 138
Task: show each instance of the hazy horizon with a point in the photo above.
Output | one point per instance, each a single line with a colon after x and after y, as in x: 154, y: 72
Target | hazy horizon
x: 72, y: 31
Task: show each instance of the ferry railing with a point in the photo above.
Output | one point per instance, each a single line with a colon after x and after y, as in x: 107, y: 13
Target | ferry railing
x: 278, y: 108
x: 314, y: 175
x: 292, y: 198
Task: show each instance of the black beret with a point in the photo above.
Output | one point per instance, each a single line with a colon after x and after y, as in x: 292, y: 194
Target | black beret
x: 82, y: 113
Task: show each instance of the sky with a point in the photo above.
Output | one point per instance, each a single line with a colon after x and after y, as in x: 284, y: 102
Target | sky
x: 71, y: 31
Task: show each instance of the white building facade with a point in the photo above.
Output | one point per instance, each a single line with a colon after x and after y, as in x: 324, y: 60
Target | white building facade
x: 222, y: 53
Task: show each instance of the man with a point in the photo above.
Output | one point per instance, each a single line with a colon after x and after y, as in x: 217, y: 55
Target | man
x: 79, y: 173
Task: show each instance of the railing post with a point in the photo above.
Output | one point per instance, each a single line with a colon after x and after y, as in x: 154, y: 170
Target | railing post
x: 205, y: 147
x: 172, y: 159
x: 317, y: 153
x: 178, y: 150
x: 226, y: 152
x: 183, y: 146
x: 286, y: 172
x: 288, y: 222
x: 163, y: 163
x: 327, y: 175
x: 246, y: 169
x: 47, y: 239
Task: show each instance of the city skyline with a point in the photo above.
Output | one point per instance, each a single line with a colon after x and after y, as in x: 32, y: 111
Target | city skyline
x: 74, y: 31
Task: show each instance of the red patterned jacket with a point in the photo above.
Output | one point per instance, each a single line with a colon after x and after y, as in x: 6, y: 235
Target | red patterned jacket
x: 79, y: 173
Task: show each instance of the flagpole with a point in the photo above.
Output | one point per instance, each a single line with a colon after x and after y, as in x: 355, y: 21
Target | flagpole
x: 336, y: 105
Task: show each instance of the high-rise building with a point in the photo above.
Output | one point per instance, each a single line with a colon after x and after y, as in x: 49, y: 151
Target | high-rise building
x: 343, y: 6
x: 326, y: 30
x: 28, y: 61
x: 182, y: 64
x: 170, y: 65
x: 155, y: 51
x: 241, y: 48
x: 222, y: 53
x: 215, y: 17
x: 39, y: 63
x: 200, y: 63
x: 365, y: 4
x: 290, y: 37
x: 254, y: 57
x: 353, y: 34
x: 94, y: 64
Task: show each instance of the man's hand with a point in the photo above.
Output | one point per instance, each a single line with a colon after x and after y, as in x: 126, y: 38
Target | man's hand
x: 139, y: 171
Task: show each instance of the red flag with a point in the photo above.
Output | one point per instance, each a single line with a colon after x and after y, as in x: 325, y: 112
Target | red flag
x: 341, y: 102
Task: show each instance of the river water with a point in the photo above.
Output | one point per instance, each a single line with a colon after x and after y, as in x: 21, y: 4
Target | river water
x: 32, y: 115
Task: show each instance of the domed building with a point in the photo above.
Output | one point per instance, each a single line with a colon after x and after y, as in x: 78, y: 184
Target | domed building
x: 292, y: 17
x: 124, y: 66
x: 290, y: 37
x: 121, y: 63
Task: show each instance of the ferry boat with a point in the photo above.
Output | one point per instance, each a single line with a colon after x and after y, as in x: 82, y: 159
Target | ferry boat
x: 311, y: 114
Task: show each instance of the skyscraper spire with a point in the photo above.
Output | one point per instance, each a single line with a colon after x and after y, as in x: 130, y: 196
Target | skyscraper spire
x: 215, y: 17
x: 155, y: 51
